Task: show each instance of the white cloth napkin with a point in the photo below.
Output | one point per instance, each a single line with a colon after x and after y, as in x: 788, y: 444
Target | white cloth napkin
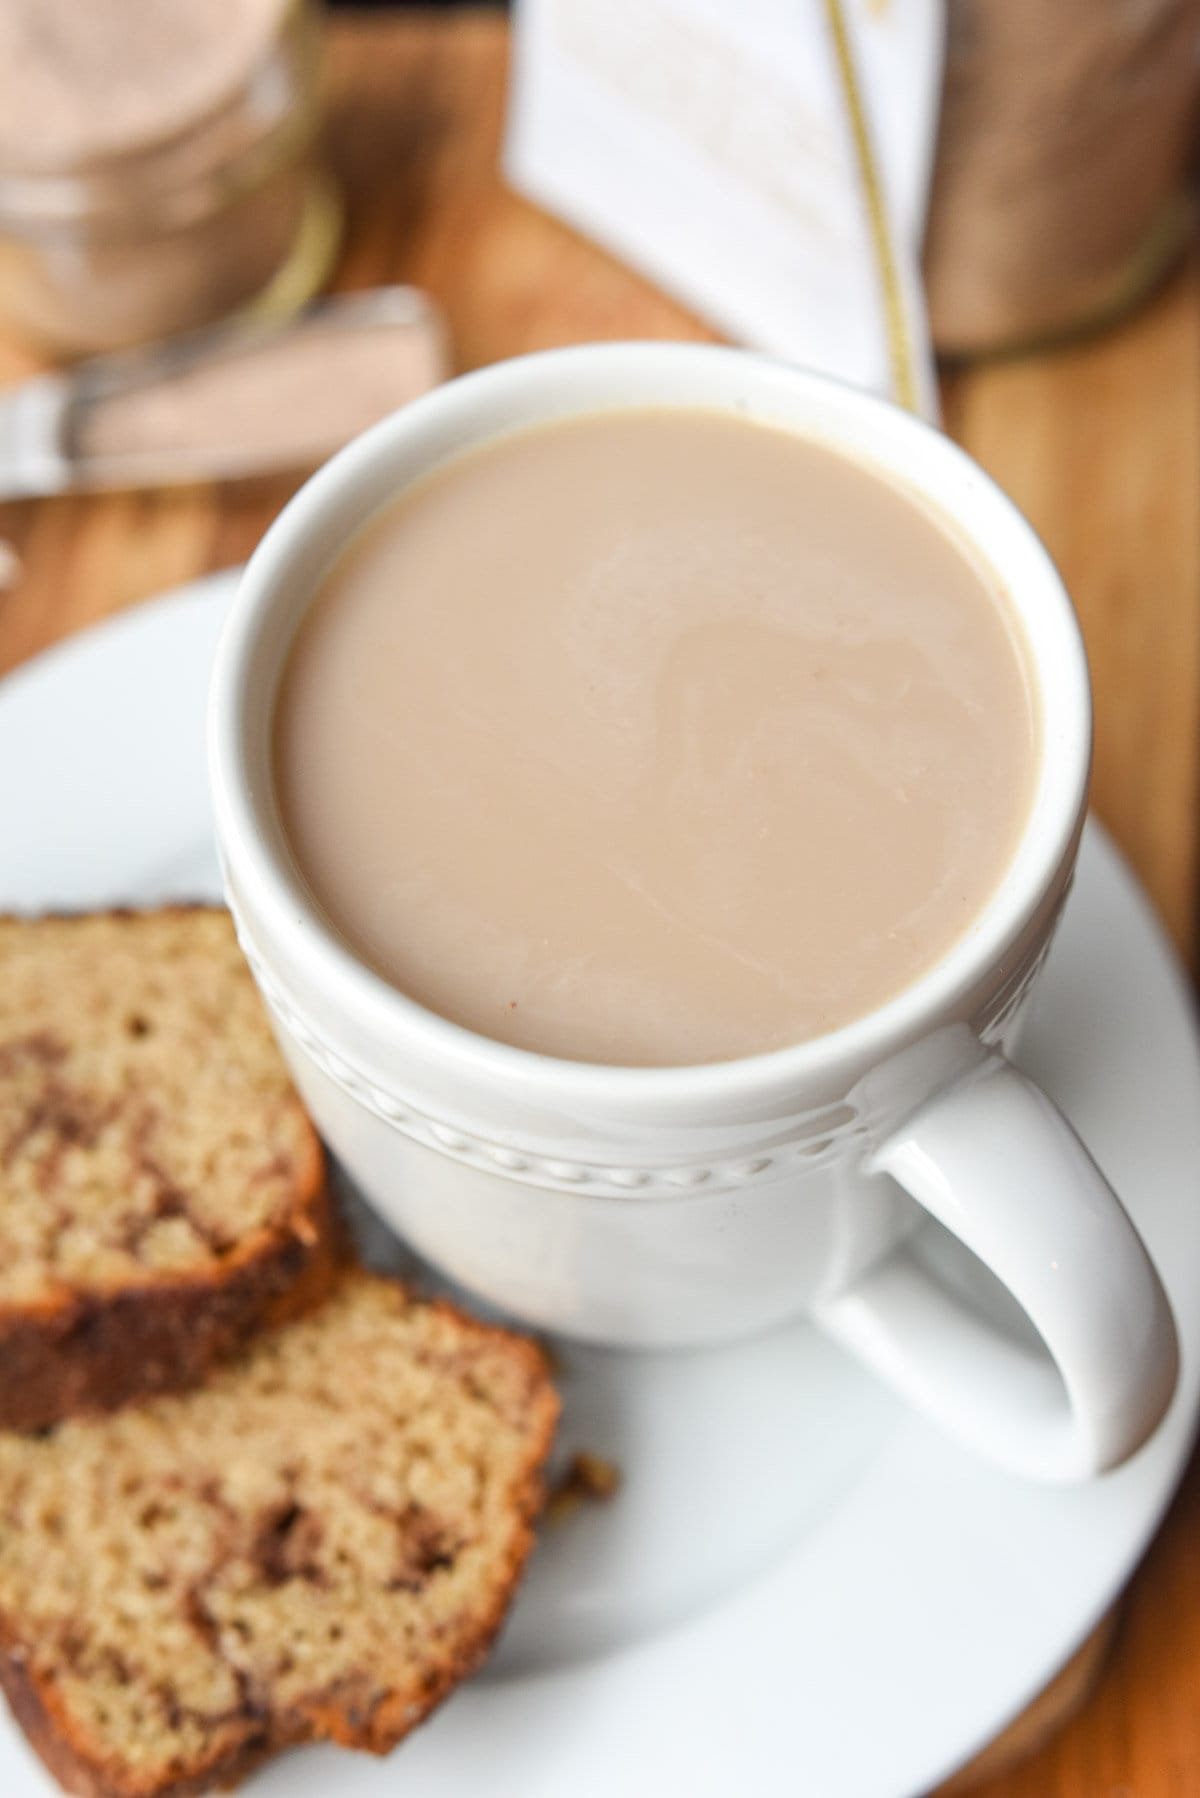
x: 768, y: 162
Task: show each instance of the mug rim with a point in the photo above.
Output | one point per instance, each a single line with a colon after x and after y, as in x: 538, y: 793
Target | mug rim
x: 880, y: 436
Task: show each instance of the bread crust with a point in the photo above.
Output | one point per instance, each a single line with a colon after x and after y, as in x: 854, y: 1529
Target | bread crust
x: 48, y: 1731
x: 78, y: 1352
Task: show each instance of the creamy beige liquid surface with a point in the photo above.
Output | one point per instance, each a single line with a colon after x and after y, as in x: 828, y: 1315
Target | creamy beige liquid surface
x: 654, y: 737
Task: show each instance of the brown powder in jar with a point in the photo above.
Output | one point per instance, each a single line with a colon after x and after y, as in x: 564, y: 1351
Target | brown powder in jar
x: 81, y: 80
x: 158, y: 167
x: 1065, y: 136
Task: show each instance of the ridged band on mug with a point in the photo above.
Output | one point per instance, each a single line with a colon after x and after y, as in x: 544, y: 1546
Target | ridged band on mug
x: 804, y: 1140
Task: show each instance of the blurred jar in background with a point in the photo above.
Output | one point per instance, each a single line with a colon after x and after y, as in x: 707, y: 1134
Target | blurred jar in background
x: 159, y: 167
x: 1060, y: 194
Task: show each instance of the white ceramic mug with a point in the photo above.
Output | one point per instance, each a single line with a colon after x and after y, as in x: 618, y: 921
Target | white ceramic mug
x: 684, y: 1205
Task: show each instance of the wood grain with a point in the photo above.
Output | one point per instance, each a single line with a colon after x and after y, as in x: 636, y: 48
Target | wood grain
x: 1099, y: 443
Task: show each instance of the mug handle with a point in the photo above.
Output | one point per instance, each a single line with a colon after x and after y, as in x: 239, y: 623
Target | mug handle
x: 1000, y: 1167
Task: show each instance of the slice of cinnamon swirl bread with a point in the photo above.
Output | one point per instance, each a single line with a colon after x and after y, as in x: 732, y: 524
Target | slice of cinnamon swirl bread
x: 162, y: 1193
x: 318, y: 1544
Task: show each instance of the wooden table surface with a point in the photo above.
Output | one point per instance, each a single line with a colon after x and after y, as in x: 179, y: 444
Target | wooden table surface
x: 1099, y: 443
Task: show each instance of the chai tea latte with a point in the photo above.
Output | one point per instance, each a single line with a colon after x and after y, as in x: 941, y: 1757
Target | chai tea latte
x: 655, y: 737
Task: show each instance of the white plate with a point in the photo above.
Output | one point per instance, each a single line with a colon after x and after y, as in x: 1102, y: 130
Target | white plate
x: 801, y: 1589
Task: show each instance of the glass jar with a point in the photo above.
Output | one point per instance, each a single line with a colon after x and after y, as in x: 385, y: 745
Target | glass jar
x: 115, y: 236
x: 1061, y: 186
